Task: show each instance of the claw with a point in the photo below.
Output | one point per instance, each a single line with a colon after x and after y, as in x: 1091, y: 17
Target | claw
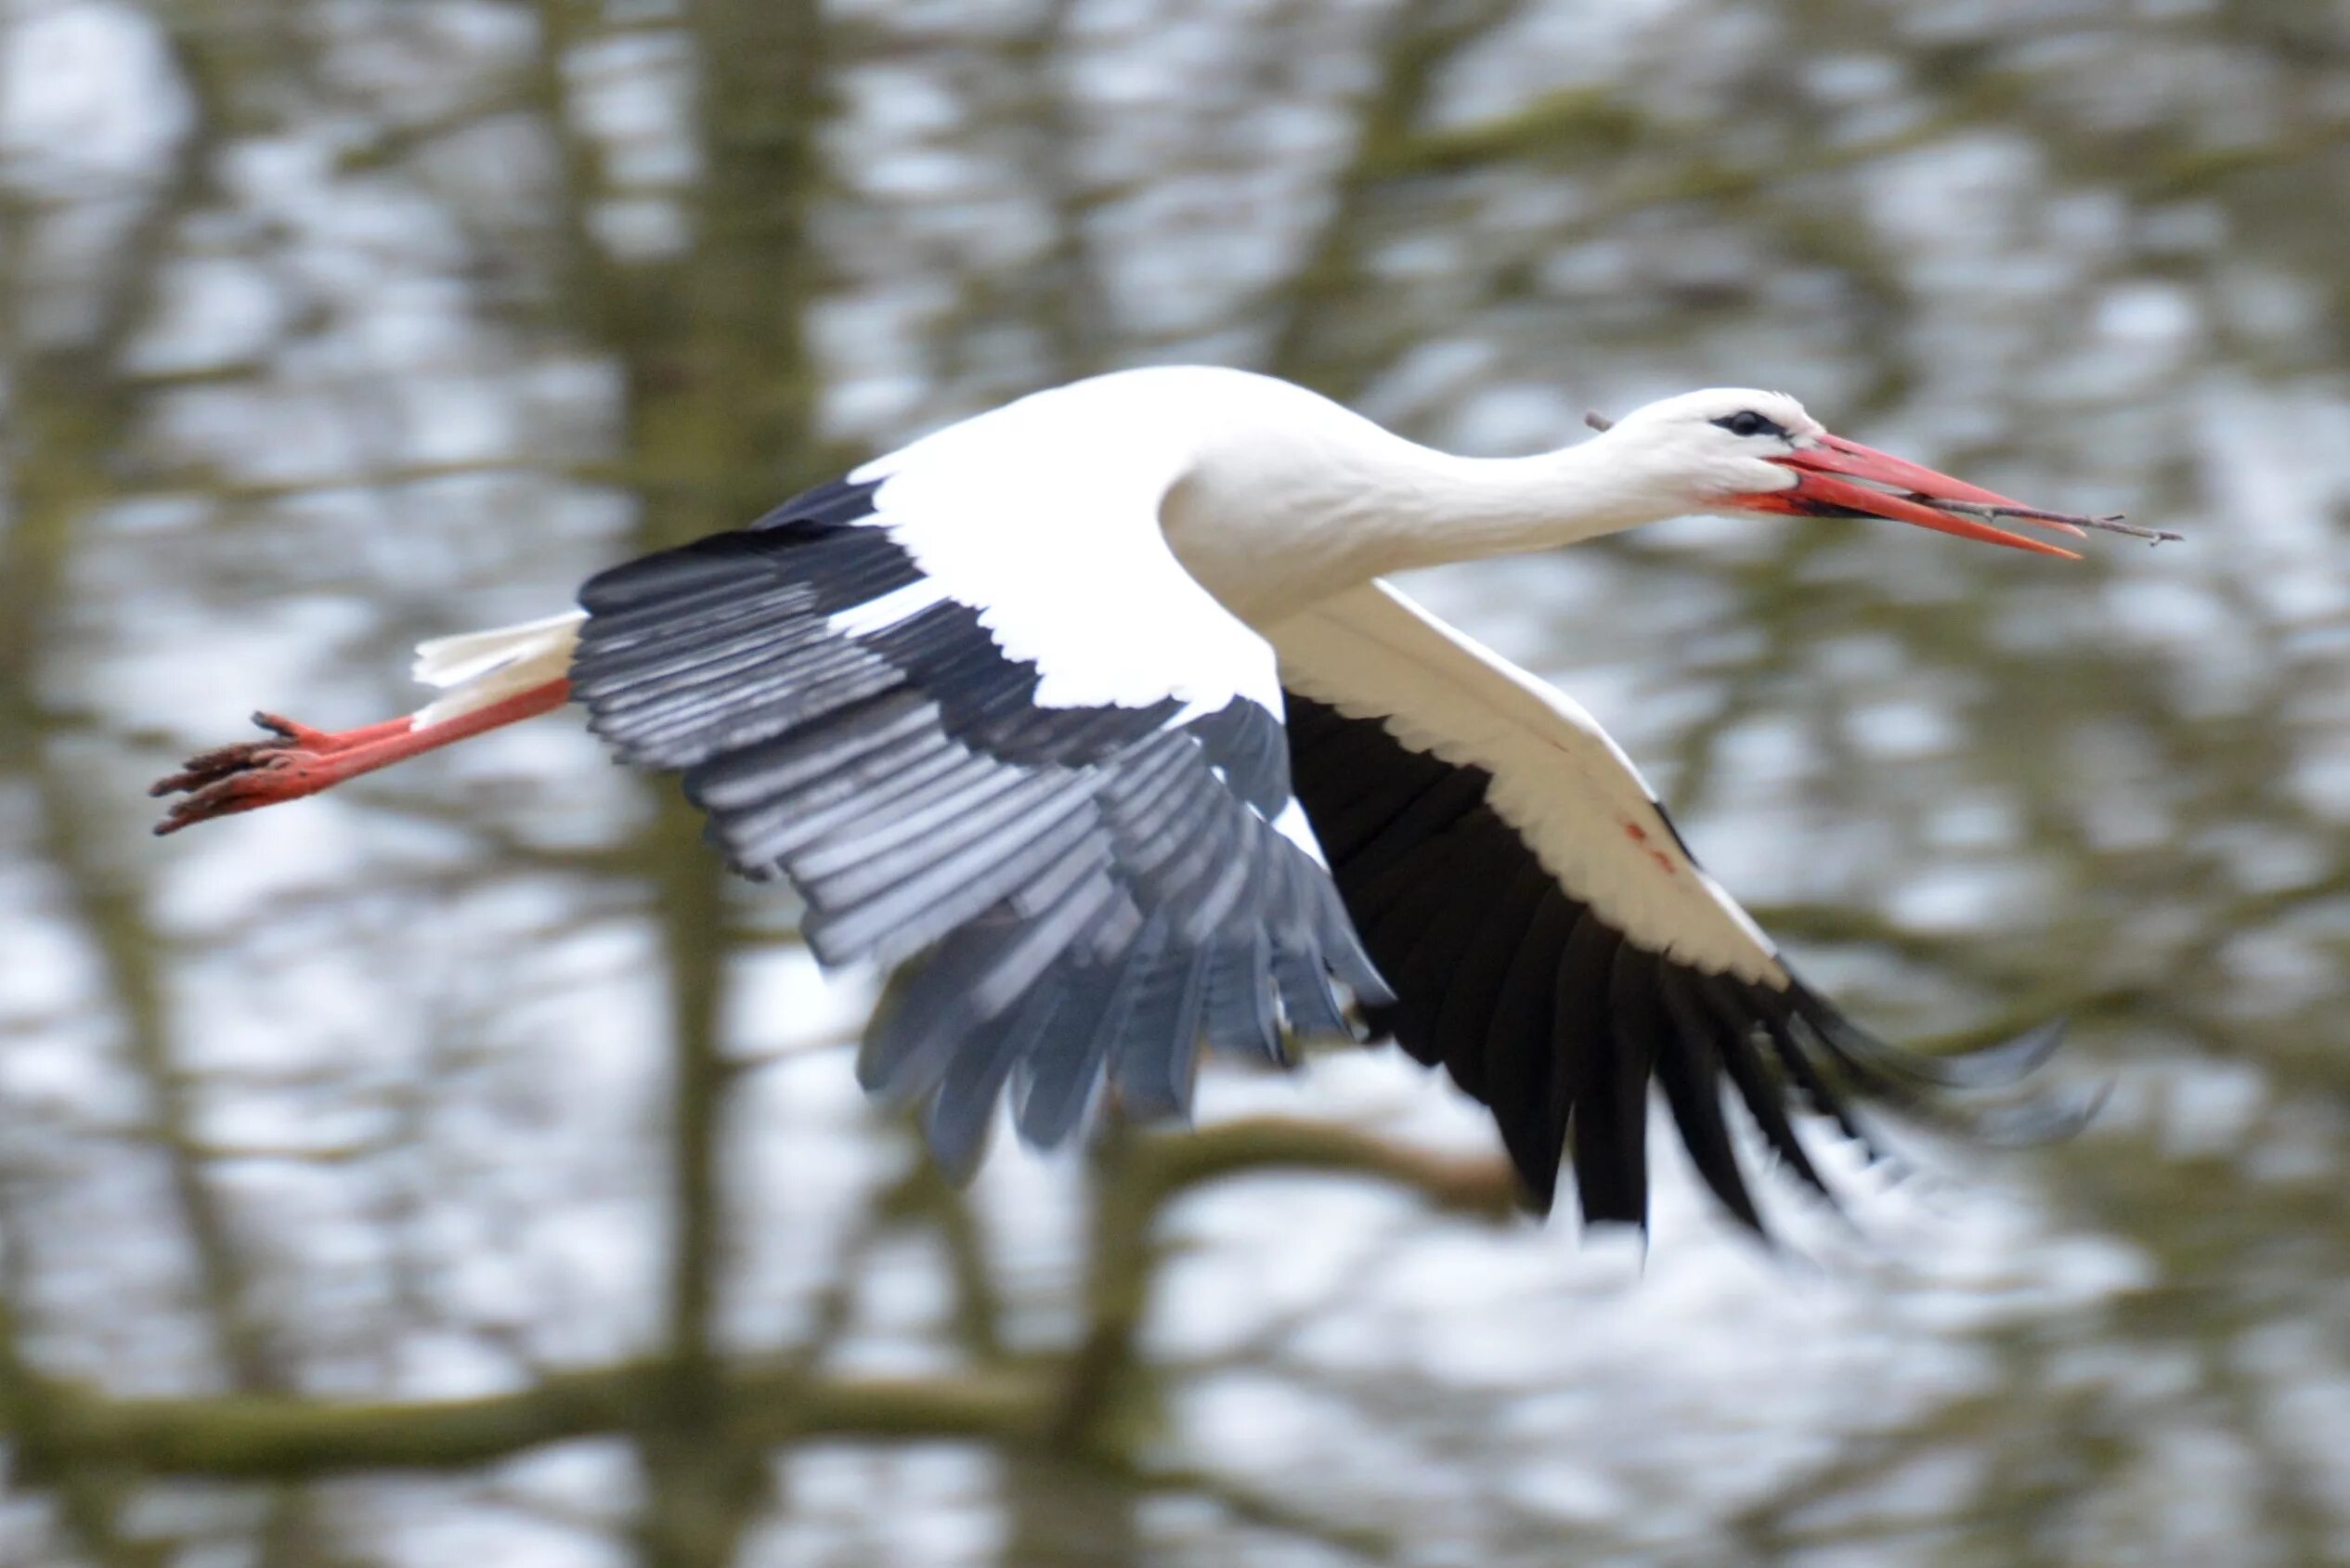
x: 218, y: 763
x: 266, y: 775
x: 247, y: 775
x: 319, y: 741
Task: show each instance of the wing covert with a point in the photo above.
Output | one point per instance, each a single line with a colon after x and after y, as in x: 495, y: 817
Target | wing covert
x: 1550, y: 938
x: 1078, y: 829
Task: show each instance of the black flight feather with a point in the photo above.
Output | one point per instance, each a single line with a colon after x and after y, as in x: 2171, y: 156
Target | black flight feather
x: 1540, y: 1008
x: 1084, y: 892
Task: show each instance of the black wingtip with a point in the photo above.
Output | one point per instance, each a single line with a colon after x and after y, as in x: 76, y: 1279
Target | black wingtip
x: 2048, y: 1118
x: 1981, y: 1095
x: 2006, y: 1063
x: 2001, y: 1064
x: 1537, y: 1195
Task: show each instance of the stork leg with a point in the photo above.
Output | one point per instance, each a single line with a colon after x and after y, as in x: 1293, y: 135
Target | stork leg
x: 297, y: 760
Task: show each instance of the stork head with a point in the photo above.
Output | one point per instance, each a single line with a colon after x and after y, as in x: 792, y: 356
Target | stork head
x: 1737, y: 450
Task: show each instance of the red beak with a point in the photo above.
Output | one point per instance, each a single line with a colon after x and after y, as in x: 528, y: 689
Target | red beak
x: 1904, y: 491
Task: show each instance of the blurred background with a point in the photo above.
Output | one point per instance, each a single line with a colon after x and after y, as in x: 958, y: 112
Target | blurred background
x: 458, y: 1168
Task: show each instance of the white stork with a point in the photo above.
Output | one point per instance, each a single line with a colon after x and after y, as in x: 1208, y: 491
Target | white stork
x: 1095, y: 711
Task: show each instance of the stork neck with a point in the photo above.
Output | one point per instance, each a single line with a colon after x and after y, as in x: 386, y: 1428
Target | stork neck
x: 1450, y: 508
x: 1301, y: 499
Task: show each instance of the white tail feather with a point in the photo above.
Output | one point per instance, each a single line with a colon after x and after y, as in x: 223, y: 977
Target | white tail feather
x: 476, y: 668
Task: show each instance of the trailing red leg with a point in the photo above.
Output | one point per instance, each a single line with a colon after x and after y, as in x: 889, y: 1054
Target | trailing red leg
x: 297, y: 760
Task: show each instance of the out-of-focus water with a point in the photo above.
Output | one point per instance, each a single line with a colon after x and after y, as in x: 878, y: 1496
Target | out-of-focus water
x: 324, y: 328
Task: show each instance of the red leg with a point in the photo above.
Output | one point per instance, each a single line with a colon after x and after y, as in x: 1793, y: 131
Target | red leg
x: 298, y: 760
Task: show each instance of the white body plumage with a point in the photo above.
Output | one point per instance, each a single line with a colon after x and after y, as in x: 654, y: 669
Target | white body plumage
x: 1100, y: 703
x: 1066, y: 514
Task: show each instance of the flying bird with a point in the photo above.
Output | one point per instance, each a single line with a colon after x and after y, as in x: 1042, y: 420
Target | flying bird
x: 1096, y: 714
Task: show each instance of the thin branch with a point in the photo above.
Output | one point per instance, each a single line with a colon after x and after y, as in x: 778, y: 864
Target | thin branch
x: 1142, y: 1176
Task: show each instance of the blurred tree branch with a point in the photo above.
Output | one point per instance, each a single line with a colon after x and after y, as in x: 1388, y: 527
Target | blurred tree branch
x: 74, y: 415
x: 1140, y: 1177
x: 64, y: 1426
x: 91, y: 1497
x: 1419, y: 39
x: 719, y: 402
x: 254, y: 1437
x: 721, y: 395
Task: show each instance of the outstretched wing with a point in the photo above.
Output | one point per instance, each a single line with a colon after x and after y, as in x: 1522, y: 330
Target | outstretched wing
x: 966, y: 702
x: 1549, y: 937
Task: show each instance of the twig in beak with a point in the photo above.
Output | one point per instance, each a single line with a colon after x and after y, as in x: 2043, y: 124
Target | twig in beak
x: 2113, y: 524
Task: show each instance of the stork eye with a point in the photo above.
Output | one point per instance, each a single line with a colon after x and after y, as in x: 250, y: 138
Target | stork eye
x: 1745, y: 421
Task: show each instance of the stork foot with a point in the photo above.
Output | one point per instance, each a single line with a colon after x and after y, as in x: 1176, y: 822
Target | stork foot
x: 294, y: 761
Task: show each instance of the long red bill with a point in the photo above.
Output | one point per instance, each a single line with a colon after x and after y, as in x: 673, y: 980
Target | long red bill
x: 1907, y: 492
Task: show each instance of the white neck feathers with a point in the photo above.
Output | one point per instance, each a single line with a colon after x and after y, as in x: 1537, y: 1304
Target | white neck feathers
x: 1279, y: 513
x: 1445, y: 508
